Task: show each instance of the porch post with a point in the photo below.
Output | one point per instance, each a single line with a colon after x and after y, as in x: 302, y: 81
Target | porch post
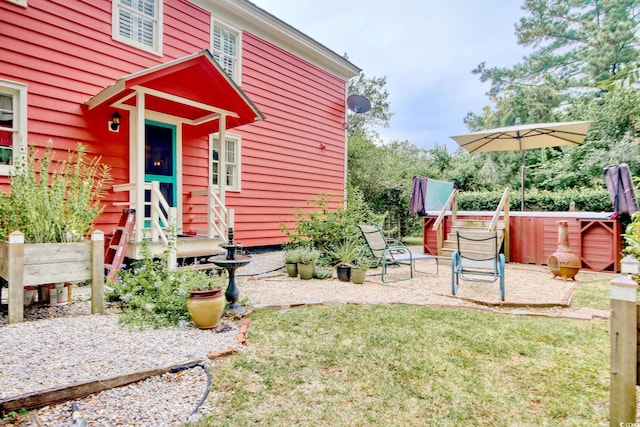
x: 222, y: 173
x: 138, y: 165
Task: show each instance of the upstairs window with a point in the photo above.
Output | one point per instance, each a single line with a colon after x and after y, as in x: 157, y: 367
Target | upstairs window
x: 232, y: 162
x: 225, y: 47
x: 138, y: 23
x: 13, y: 124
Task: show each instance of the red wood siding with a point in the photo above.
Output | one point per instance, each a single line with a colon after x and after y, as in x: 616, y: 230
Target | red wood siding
x: 283, y: 164
x: 66, y: 55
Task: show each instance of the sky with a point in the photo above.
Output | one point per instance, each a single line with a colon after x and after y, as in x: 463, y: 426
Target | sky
x: 425, y: 48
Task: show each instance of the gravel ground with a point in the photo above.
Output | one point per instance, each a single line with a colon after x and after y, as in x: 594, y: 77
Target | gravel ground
x: 63, y: 345
x: 58, y: 346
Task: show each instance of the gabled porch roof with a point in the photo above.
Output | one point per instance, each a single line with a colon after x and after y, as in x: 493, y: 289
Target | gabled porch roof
x: 193, y: 88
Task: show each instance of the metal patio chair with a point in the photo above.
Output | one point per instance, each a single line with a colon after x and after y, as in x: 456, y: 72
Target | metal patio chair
x: 389, y: 252
x: 477, y: 259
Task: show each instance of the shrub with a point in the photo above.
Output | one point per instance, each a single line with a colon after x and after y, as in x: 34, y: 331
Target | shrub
x: 586, y: 200
x: 322, y: 227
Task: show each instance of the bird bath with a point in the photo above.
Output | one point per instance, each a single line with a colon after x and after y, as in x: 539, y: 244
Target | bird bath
x: 231, y: 262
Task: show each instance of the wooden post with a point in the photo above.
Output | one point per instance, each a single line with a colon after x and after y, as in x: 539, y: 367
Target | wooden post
x: 507, y: 231
x: 624, y: 341
x: 97, y: 272
x: 15, y: 276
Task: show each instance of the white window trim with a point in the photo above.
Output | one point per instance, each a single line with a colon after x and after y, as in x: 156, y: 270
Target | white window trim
x: 158, y: 36
x: 19, y: 92
x: 22, y: 3
x: 237, y: 77
x: 237, y: 179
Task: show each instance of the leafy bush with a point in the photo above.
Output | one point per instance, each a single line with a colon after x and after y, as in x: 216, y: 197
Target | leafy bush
x: 58, y: 206
x: 632, y: 237
x: 322, y: 227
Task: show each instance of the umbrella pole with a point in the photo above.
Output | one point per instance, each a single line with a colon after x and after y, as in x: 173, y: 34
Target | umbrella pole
x: 522, y: 179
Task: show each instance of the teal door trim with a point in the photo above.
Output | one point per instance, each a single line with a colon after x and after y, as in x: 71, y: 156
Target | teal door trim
x: 161, y: 153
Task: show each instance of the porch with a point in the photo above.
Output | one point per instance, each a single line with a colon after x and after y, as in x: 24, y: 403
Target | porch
x: 156, y: 218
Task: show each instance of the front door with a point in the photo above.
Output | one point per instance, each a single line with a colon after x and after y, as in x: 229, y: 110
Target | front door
x: 160, y: 160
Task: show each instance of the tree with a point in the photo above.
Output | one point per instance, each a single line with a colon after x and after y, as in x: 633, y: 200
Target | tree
x: 578, y: 43
x: 379, y: 115
x: 583, y: 51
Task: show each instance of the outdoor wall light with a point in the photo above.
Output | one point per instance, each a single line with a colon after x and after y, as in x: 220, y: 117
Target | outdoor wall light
x: 114, y: 123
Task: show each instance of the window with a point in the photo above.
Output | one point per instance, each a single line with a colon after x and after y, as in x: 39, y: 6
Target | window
x: 138, y: 23
x: 225, y: 47
x: 232, y: 162
x: 13, y: 123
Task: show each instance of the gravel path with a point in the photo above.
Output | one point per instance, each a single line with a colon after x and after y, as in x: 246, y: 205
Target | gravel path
x: 58, y: 346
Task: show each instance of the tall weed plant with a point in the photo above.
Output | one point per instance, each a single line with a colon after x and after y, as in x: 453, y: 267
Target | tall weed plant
x: 50, y: 206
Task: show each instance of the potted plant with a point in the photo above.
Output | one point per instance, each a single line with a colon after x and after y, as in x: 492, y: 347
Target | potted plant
x: 323, y: 272
x: 291, y: 259
x: 206, y: 300
x: 345, y: 253
x: 359, y: 273
x: 306, y: 265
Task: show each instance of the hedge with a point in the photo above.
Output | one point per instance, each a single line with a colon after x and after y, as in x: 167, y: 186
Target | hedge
x: 585, y: 200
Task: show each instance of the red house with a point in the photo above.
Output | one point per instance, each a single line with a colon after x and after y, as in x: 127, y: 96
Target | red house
x: 153, y: 86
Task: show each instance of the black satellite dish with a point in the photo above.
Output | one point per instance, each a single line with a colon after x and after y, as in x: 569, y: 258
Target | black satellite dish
x: 358, y: 104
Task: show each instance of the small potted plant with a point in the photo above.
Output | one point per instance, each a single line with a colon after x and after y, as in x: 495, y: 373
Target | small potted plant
x: 206, y: 301
x: 291, y: 259
x: 306, y: 264
x: 323, y: 272
x: 359, y: 273
x: 345, y: 253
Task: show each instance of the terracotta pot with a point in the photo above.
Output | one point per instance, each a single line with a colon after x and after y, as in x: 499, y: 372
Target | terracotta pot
x: 206, y: 307
x: 306, y: 271
x: 292, y: 269
x: 358, y: 276
x: 343, y: 272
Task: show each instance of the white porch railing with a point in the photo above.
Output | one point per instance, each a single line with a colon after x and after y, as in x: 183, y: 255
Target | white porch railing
x: 218, y: 217
x: 161, y: 215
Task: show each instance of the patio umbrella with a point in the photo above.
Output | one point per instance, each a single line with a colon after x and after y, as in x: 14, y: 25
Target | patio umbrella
x: 524, y: 137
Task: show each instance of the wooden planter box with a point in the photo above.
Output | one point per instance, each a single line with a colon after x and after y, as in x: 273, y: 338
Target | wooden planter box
x: 35, y: 264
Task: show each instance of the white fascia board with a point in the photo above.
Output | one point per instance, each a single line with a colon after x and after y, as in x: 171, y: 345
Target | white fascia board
x: 247, y: 16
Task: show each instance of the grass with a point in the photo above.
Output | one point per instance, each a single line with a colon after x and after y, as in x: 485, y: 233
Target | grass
x: 401, y: 365
x: 412, y: 241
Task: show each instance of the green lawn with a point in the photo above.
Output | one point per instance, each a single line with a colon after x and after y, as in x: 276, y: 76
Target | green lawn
x: 400, y: 365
